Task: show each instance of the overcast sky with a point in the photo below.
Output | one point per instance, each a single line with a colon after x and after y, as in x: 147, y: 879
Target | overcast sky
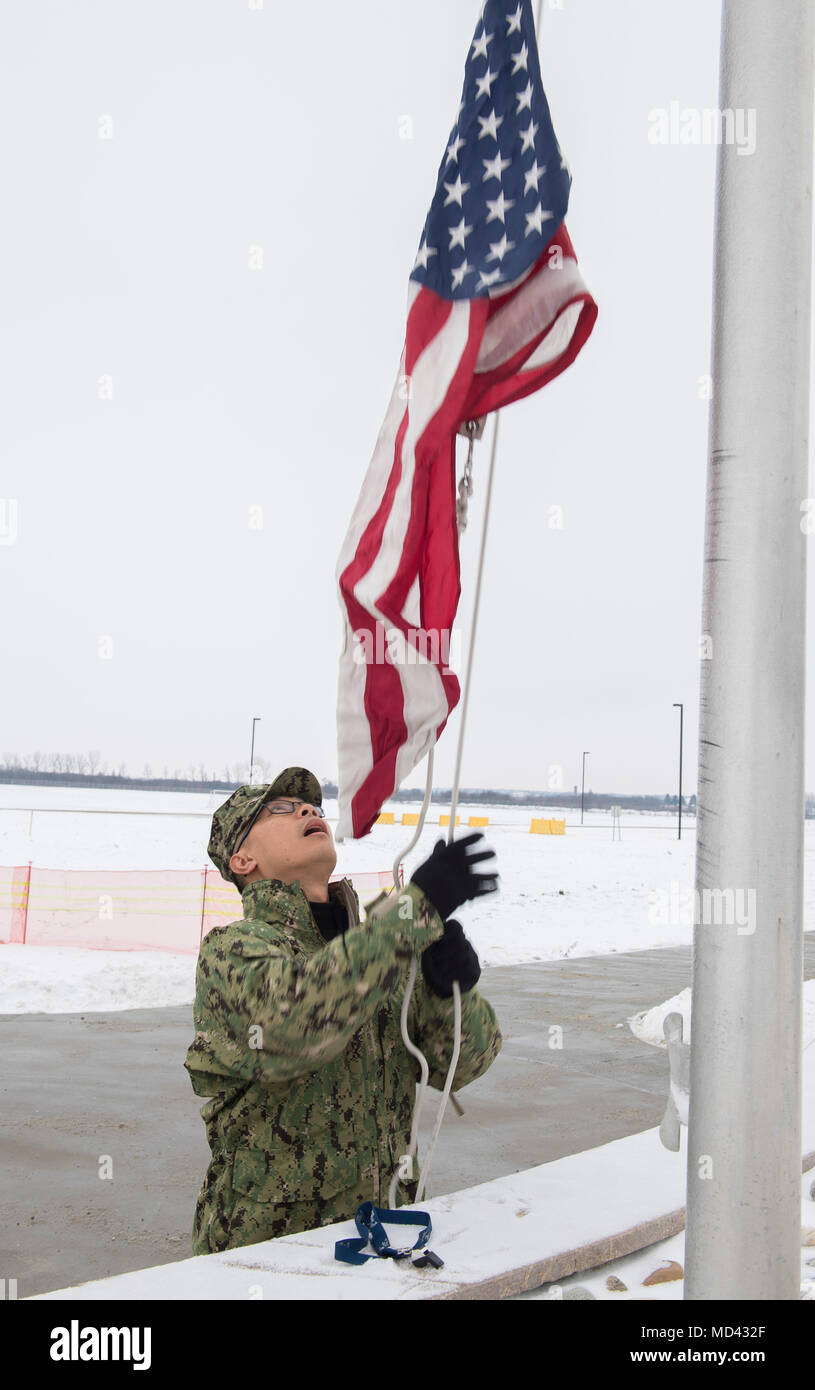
x: 158, y: 388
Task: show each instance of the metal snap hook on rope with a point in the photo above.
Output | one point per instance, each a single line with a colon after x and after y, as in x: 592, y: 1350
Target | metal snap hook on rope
x: 472, y: 429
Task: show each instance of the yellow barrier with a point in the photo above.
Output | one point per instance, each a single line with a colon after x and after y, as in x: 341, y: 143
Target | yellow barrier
x: 558, y: 827
x: 445, y: 820
x: 478, y: 820
x: 410, y: 817
x: 384, y: 818
x: 540, y: 827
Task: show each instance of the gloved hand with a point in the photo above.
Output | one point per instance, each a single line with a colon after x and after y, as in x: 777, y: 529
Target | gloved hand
x: 447, y: 877
x: 452, y: 958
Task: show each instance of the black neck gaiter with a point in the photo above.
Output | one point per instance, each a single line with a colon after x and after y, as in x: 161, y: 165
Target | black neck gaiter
x: 331, y: 917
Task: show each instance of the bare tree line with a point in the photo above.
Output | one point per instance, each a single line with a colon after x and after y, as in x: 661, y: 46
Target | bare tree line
x: 92, y: 764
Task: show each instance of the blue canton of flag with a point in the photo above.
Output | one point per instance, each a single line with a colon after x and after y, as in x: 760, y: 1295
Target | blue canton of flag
x: 503, y: 186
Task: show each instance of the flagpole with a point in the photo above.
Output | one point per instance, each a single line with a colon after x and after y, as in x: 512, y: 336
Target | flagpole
x: 744, y: 1136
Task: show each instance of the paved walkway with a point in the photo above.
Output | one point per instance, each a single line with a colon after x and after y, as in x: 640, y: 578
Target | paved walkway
x: 76, y: 1088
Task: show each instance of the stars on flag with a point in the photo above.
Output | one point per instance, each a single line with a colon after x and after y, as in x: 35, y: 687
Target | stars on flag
x: 484, y: 84
x: 518, y: 179
x: 489, y: 126
x: 499, y: 207
x: 519, y: 59
x: 532, y: 176
x: 458, y: 234
x: 535, y: 220
x: 514, y: 22
x: 524, y: 99
x: 480, y: 44
x: 425, y: 252
x: 453, y: 148
x: 460, y: 271
x: 528, y: 137
x: 488, y: 278
x: 493, y: 168
x: 455, y: 191
x: 498, y: 249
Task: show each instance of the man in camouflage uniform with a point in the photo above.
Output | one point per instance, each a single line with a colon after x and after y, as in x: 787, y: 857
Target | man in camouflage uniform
x: 297, y: 1019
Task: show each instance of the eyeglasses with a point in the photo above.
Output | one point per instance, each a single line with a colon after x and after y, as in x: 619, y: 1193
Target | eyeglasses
x: 286, y: 808
x: 280, y: 807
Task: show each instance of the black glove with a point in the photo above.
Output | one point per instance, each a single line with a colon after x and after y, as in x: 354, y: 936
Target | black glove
x: 452, y: 958
x: 447, y: 877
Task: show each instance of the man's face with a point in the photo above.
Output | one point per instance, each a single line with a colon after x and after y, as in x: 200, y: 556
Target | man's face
x: 287, y: 846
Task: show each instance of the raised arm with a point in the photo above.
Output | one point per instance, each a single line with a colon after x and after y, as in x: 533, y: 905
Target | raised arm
x: 262, y: 1014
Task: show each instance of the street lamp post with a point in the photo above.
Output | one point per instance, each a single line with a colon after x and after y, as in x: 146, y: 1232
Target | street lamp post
x: 681, y: 709
x: 255, y: 721
x: 583, y: 784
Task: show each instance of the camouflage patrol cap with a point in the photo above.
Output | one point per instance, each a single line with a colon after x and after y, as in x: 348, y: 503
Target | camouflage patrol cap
x: 232, y: 821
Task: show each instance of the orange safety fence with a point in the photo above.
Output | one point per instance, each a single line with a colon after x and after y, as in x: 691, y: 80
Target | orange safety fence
x: 130, y: 909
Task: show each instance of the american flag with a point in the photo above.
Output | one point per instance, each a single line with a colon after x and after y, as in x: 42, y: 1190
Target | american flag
x: 496, y: 308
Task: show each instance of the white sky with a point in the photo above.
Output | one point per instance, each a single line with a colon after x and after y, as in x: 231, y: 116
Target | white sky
x: 237, y: 388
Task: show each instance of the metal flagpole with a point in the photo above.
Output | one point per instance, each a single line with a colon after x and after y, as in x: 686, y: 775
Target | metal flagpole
x: 744, y: 1138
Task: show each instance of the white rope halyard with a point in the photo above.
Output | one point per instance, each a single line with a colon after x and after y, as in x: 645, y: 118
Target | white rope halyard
x: 473, y: 429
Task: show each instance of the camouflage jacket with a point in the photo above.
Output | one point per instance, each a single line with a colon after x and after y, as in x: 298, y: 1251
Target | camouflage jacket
x: 299, y: 1048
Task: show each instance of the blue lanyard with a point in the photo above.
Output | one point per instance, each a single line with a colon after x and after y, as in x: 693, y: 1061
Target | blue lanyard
x: 369, y: 1224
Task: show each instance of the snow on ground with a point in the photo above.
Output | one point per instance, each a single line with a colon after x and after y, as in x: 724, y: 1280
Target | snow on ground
x: 578, y: 894
x: 69, y: 979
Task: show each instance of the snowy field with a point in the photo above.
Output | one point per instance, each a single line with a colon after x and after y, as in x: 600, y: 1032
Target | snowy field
x: 579, y: 894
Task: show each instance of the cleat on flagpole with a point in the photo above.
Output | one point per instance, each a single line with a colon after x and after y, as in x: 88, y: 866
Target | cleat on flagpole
x: 676, y: 1111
